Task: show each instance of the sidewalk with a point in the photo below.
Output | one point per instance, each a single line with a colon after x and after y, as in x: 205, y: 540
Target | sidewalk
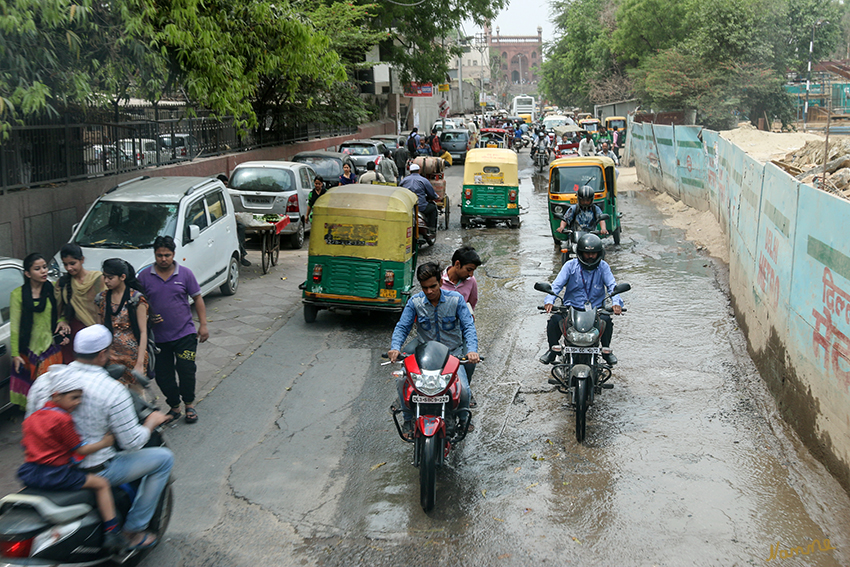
x: 238, y: 325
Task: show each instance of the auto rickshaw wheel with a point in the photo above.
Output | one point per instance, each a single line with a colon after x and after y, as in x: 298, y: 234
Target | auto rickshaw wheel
x: 464, y: 221
x: 310, y: 313
x: 616, y: 235
x: 514, y: 223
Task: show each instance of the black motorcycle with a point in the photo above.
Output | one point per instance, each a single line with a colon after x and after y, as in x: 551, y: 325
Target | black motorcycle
x: 580, y: 370
x: 50, y: 527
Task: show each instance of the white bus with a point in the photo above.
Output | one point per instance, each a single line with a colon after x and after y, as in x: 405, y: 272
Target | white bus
x: 523, y: 104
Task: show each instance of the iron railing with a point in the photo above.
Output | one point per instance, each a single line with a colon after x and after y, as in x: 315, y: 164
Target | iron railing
x: 70, y: 149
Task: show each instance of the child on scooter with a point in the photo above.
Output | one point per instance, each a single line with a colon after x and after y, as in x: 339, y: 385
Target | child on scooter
x: 51, y: 446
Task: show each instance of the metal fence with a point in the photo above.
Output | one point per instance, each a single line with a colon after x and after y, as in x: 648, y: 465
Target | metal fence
x: 72, y: 148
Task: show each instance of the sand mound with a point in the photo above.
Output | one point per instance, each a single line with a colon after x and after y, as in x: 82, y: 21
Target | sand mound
x: 766, y: 146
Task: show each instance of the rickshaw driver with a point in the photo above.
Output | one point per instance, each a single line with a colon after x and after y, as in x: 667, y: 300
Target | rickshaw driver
x: 585, y: 213
x: 439, y: 315
x: 425, y: 191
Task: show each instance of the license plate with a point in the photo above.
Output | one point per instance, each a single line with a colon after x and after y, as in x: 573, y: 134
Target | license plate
x: 511, y: 205
x: 455, y: 156
x: 258, y: 200
x: 389, y: 293
x: 582, y: 350
x: 426, y: 400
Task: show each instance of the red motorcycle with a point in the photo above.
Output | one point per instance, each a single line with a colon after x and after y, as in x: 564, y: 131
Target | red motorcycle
x: 432, y: 390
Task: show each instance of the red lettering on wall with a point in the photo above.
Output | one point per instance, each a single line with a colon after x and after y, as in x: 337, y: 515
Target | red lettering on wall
x: 767, y: 281
x: 834, y: 343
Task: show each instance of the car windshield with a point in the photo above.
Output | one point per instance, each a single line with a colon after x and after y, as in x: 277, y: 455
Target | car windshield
x: 329, y: 168
x: 454, y: 137
x: 269, y: 180
x: 119, y: 224
x: 390, y: 143
x: 178, y: 141
x: 616, y: 123
x: 569, y: 179
x: 359, y: 149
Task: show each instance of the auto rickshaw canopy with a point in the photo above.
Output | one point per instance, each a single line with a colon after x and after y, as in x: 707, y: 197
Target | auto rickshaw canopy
x: 491, y: 166
x: 596, y: 171
x: 365, y: 221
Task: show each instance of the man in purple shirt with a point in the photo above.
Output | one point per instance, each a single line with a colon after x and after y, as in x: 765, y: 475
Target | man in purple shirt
x: 459, y: 277
x: 168, y: 288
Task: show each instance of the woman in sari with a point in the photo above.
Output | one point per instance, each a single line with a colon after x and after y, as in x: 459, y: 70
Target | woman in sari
x: 75, y: 294
x: 33, y: 319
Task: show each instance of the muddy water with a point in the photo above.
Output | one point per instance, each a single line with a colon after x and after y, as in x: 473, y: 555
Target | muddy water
x: 685, y: 462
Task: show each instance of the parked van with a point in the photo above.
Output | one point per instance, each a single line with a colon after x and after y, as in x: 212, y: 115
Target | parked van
x: 197, y: 212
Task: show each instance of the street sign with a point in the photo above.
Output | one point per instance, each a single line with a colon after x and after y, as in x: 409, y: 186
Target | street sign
x: 443, y: 87
x: 482, y: 103
x: 444, y: 108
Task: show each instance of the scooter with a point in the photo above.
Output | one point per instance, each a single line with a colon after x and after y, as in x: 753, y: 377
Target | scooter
x: 432, y: 391
x: 574, y: 234
x: 50, y: 528
x: 579, y: 370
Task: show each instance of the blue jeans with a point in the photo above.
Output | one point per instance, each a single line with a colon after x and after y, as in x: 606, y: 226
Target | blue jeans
x: 153, y: 466
x: 464, y: 393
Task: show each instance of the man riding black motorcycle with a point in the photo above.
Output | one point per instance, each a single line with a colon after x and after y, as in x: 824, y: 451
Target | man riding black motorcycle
x: 585, y: 213
x: 585, y: 278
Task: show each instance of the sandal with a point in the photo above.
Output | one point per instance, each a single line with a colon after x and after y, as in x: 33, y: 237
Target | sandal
x: 148, y: 540
x: 172, y: 415
x: 191, y: 415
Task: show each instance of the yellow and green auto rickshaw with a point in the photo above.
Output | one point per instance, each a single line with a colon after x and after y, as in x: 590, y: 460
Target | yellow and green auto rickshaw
x: 490, y: 187
x: 617, y: 123
x: 363, y: 250
x: 566, y: 175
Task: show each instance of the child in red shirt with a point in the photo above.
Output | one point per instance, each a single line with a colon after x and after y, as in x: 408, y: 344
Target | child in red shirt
x: 51, y: 445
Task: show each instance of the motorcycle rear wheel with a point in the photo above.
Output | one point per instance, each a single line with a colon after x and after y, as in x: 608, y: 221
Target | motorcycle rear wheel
x: 428, y: 473
x: 582, y: 393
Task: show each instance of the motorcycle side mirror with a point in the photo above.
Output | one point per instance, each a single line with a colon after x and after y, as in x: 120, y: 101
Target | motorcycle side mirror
x: 545, y: 287
x: 604, y: 217
x: 559, y: 216
x: 621, y: 288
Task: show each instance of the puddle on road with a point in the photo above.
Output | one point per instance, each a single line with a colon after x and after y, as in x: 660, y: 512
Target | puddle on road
x: 682, y: 464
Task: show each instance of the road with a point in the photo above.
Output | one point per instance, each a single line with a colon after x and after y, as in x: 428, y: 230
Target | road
x: 295, y: 461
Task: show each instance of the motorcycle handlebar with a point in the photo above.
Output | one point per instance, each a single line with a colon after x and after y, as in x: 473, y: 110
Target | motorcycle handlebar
x: 404, y: 355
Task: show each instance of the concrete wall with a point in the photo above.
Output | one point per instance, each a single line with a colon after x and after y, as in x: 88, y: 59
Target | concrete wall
x: 41, y: 219
x: 789, y: 273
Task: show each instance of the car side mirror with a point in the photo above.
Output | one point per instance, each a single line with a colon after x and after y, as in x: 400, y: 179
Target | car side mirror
x: 621, y: 288
x: 194, y: 232
x: 545, y: 287
x: 604, y: 217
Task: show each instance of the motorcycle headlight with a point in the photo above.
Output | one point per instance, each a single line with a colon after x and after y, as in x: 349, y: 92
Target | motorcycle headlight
x: 582, y: 339
x: 431, y: 382
x: 559, y: 209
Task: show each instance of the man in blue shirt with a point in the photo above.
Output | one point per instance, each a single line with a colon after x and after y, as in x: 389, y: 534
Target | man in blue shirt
x: 585, y: 278
x: 439, y: 315
x: 425, y: 191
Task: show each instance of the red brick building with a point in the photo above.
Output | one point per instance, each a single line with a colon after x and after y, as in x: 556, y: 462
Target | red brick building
x: 520, y: 56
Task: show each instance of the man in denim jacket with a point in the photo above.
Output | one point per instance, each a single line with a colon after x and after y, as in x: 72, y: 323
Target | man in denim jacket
x: 441, y: 316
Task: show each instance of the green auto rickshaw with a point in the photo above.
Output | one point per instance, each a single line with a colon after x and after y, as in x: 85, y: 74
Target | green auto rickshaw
x: 490, y: 187
x: 363, y: 250
x: 566, y: 175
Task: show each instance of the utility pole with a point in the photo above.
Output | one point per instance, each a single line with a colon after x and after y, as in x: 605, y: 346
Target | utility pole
x: 809, y: 74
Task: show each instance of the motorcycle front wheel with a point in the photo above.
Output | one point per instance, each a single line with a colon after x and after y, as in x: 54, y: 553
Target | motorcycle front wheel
x: 582, y: 393
x: 428, y: 473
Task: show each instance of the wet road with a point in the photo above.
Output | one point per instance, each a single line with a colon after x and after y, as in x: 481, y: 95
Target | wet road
x: 685, y: 463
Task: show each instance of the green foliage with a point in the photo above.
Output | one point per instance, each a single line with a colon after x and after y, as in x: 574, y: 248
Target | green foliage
x: 645, y: 27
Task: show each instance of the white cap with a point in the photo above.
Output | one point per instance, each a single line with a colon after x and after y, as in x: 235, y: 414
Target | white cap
x: 64, y: 380
x: 414, y: 167
x: 92, y: 340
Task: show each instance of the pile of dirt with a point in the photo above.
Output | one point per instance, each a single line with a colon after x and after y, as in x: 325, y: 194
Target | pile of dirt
x: 768, y: 146
x: 699, y: 226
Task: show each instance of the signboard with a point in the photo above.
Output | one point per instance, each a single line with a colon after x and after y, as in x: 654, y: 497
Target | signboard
x: 444, y: 108
x: 443, y: 88
x: 419, y: 89
x: 482, y: 103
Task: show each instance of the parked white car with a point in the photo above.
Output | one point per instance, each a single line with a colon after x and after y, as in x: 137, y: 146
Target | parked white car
x: 275, y: 187
x: 195, y: 211
x: 11, y: 276
x: 142, y: 150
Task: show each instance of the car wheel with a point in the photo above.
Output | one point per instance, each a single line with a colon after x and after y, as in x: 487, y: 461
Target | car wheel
x: 296, y: 241
x: 231, y: 284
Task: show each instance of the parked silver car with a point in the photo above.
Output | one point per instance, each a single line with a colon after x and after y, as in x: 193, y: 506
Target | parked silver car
x: 11, y: 276
x: 275, y: 187
x: 362, y: 152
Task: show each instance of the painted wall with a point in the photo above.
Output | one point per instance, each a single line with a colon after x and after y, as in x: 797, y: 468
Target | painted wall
x: 41, y: 219
x: 789, y: 273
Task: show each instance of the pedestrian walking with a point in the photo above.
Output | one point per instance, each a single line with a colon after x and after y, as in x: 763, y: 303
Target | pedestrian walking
x: 400, y: 157
x: 75, y: 294
x: 371, y: 175
x: 168, y: 287
x: 33, y: 318
x: 388, y: 168
x: 123, y: 309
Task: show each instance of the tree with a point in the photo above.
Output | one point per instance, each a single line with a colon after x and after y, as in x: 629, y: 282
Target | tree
x: 645, y: 27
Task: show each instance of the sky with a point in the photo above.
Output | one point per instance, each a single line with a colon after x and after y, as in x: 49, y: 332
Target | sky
x: 522, y: 17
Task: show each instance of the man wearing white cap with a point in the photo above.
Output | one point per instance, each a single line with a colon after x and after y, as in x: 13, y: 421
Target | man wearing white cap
x: 425, y: 191
x: 108, y: 407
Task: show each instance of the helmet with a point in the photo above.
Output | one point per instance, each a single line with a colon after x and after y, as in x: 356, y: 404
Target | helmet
x: 585, y: 193
x: 590, y: 243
